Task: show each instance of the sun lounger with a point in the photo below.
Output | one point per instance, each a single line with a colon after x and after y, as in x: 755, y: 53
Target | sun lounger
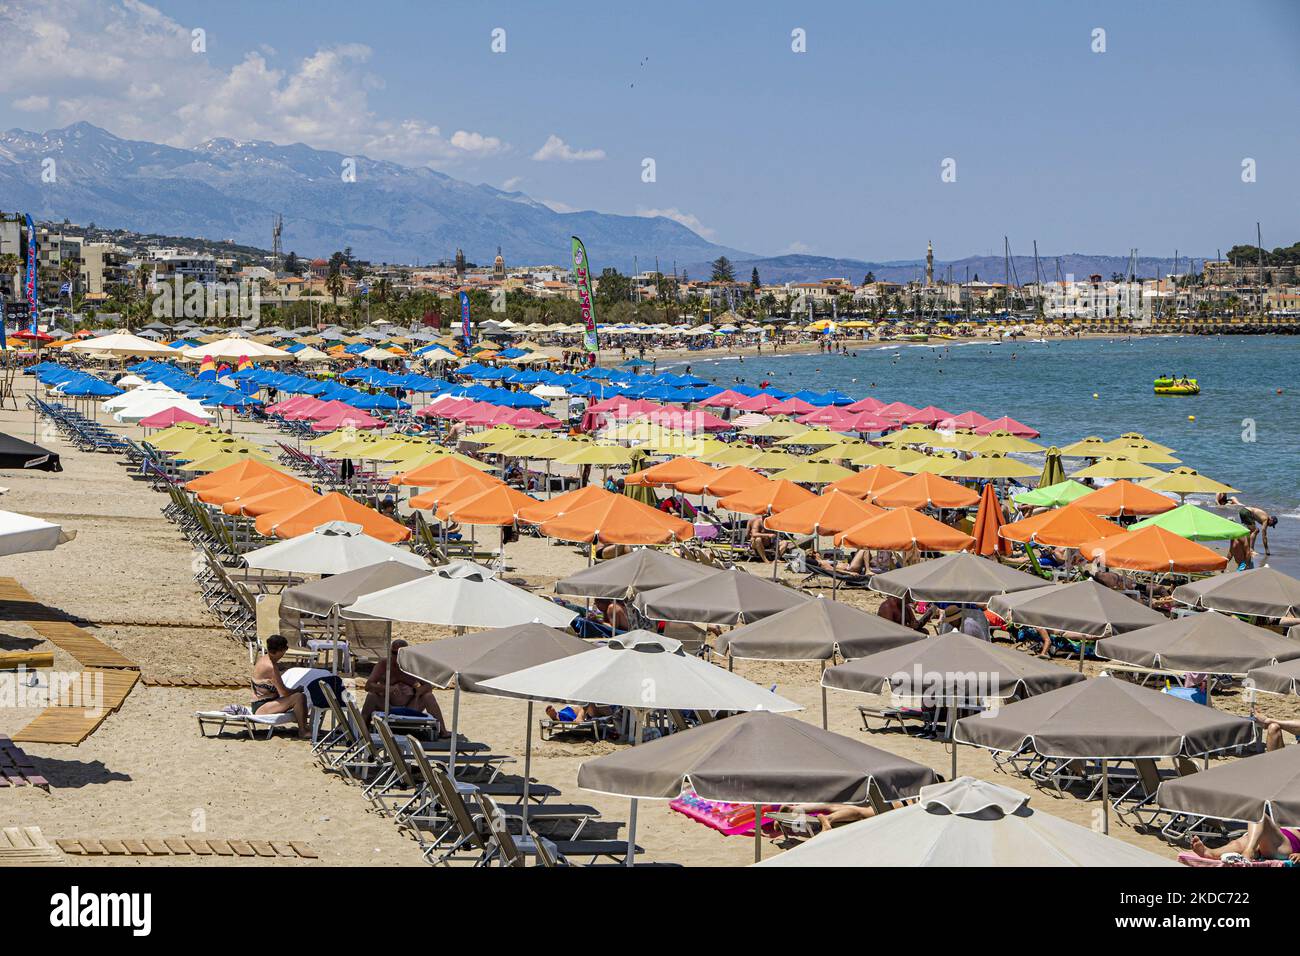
x: 514, y: 849
x: 1191, y: 859
x: 248, y: 722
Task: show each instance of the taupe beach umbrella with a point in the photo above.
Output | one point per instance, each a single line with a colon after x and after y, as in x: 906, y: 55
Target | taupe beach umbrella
x: 1084, y: 609
x: 462, y: 662
x: 759, y: 758
x: 952, y: 666
x: 815, y: 630
x: 1265, y: 785
x: 322, y: 598
x: 1264, y: 592
x: 1202, y: 643
x: 1277, y: 678
x: 1106, y: 719
x: 962, y: 578
x: 967, y: 823
x: 727, y: 597
x: 623, y: 577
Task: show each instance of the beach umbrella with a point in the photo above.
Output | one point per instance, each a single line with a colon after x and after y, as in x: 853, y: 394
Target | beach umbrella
x: 1281, y: 678
x: 814, y: 630
x: 893, y: 458
x: 334, y: 507
x: 1001, y: 443
x: 722, y: 482
x: 497, y: 505
x: 1084, y: 608
x: 814, y: 473
x: 990, y: 467
x: 463, y: 662
x: 669, y: 472
x: 1210, y: 643
x: 1052, y: 496
x: 812, y: 438
x: 255, y: 485
x: 1066, y: 527
x: 1137, y: 439
x: 616, y: 519
x: 1187, y: 481
x: 471, y: 484
x: 238, y: 348
x: 1053, y: 471
x: 174, y: 415
x: 640, y: 671
x: 1125, y: 499
x: 760, y: 758
x: 1115, y: 469
x: 930, y: 416
x: 966, y: 823
x: 1008, y: 425
x: 1144, y: 452
x: 988, y: 521
x: 770, y: 460
x: 21, y: 534
x: 1089, y: 447
x: 894, y: 411
x: 935, y: 463
x: 966, y: 420
x: 445, y: 468
x: 904, y: 529
x: 768, y: 499
x: 1106, y: 719
x: 283, y: 498
x: 461, y: 594
x: 1265, y: 785
x: 1153, y: 549
x: 961, y: 578
x: 864, y: 483
x: 628, y: 575
x: 736, y: 454
x: 16, y: 453
x: 593, y: 454
x: 1263, y: 592
x: 829, y: 513
x: 730, y: 596
x: 562, y: 504
x: 926, y: 490
x: 778, y: 428
x: 120, y: 344
x: 332, y: 547
x: 914, y: 435
x: 216, y: 460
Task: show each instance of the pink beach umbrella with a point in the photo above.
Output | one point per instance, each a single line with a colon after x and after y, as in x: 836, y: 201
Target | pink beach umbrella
x: 964, y: 420
x: 929, y: 416
x: 1006, y: 424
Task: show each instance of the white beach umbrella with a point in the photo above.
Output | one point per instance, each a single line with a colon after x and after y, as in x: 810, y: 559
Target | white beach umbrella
x: 20, y: 534
x: 970, y: 823
x: 461, y: 594
x: 332, y: 548
x: 233, y: 348
x: 118, y: 344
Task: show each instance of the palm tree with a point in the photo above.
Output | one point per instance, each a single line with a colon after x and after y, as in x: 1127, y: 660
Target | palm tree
x: 334, y: 286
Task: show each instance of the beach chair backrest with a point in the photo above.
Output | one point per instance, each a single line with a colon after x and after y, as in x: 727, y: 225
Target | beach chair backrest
x: 450, y: 800
x: 878, y: 801
x: 400, y: 766
x: 1185, y: 765
x: 545, y: 852
x: 363, y: 732
x: 501, y: 835
x: 1148, y: 775
x: 336, y: 709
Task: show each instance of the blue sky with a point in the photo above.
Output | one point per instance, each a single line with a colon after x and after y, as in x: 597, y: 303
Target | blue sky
x: 835, y: 151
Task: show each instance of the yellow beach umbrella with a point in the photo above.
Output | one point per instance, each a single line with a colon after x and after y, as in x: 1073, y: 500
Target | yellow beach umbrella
x: 1003, y: 443
x: 934, y: 464
x: 604, y: 455
x: 890, y: 457
x: 222, y: 459
x: 813, y: 473
x: 913, y: 435
x: 771, y: 460
x: 179, y: 440
x: 777, y: 428
x: 991, y: 466
x: 1118, y: 468
x: 1137, y: 438
x: 1090, y: 447
x: 735, y: 454
x: 1186, y: 481
x: 1140, y: 451
x: 813, y: 438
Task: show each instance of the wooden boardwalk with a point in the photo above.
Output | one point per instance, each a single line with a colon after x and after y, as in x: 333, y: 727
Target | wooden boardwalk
x: 187, y: 846
x: 27, y: 846
x: 107, y: 674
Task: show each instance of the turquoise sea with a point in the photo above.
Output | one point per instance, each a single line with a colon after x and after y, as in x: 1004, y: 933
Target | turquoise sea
x: 1246, y: 430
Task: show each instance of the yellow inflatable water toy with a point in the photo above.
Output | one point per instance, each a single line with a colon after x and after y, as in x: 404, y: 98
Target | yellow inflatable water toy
x: 1177, y: 386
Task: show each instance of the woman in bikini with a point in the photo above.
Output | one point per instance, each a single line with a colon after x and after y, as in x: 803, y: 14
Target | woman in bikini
x: 1264, y: 840
x: 270, y: 696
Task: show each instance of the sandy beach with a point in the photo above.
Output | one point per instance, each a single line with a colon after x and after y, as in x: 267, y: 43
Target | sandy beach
x: 147, y: 772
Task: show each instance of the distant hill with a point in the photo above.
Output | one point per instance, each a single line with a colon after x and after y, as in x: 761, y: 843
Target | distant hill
x: 803, y: 268
x: 232, y: 189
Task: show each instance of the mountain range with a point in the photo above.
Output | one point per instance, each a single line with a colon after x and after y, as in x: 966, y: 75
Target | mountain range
x: 234, y: 189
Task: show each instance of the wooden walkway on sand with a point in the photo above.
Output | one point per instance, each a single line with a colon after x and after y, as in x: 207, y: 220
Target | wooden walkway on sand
x: 27, y: 846
x: 108, y: 675
x: 177, y: 846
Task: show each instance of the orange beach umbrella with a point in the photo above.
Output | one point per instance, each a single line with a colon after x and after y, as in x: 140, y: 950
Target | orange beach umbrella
x: 767, y: 499
x: 830, y: 513
x: 258, y: 484
x: 1125, y: 498
x: 276, y: 499
x: 498, y: 505
x: 462, y: 487
x: 1153, y: 549
x: 926, y: 490
x: 617, y: 520
x: 669, y: 472
x: 722, y: 482
x: 239, y: 471
x: 332, y: 507
x: 987, y: 523
x: 562, y: 504
x: 868, y: 481
x: 904, y: 529
x: 1066, y: 527
x: 436, y: 472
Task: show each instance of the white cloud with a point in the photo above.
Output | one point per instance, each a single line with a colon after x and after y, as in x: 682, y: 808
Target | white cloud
x: 689, y: 220
x: 511, y: 184
x: 556, y: 149
x: 556, y: 206
x: 127, y: 66
x: 796, y: 248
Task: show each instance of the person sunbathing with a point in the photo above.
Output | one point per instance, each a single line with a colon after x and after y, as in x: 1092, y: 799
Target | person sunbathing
x: 860, y: 563
x: 270, y: 696
x: 820, y: 817
x: 407, y: 696
x: 1264, y: 840
x: 578, y: 713
x: 1274, y: 729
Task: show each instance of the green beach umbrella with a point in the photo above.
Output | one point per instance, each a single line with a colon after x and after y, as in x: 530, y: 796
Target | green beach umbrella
x: 1196, y: 524
x: 1053, y: 496
x: 1053, y: 470
x: 642, y: 493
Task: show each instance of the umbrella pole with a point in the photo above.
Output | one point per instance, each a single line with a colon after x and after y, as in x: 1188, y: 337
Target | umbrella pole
x: 631, y: 813
x: 1105, y: 796
x: 824, y: 727
x: 952, y: 735
x: 528, y: 762
x: 455, y: 729
x: 758, y: 832
x: 388, y: 673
